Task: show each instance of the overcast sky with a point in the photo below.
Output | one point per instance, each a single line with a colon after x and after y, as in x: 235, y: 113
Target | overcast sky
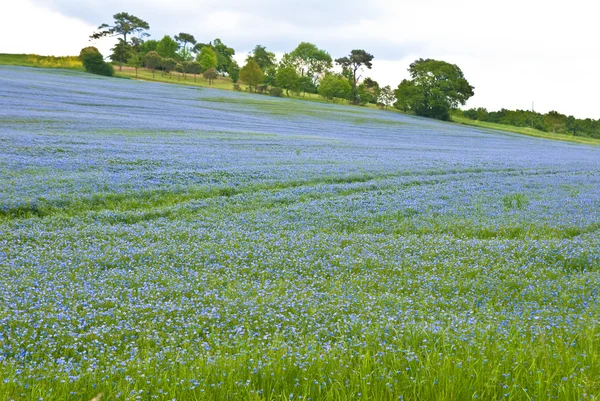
x: 513, y: 51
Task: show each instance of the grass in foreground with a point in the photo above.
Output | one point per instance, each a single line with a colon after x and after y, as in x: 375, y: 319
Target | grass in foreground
x: 214, y: 251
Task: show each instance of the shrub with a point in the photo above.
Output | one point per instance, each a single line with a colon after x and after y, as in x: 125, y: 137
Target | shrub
x: 210, y: 75
x: 94, y: 63
x: 277, y: 92
x: 237, y: 87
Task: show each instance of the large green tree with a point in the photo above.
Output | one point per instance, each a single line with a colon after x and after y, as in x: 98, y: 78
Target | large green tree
x: 435, y: 88
x: 334, y: 86
x: 184, y: 39
x: 287, y: 78
x: 194, y: 67
x: 124, y: 24
x: 121, y: 52
x: 168, y: 65
x: 310, y: 60
x: 167, y: 47
x: 251, y: 74
x: 262, y: 57
x: 207, y: 58
x: 352, y: 63
x: 148, y: 46
x: 152, y: 60
x: 224, y: 55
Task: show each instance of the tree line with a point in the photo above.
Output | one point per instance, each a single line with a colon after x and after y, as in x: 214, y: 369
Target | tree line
x: 435, y: 88
x: 552, y: 121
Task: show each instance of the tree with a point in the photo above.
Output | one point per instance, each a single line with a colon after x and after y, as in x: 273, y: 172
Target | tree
x: 148, y: 46
x: 310, y: 60
x: 262, y: 57
x: 269, y: 76
x: 224, y: 56
x: 287, y: 78
x: 180, y: 69
x: 135, y: 61
x: 168, y: 65
x: 353, y: 62
x: 194, y: 67
x: 167, y: 47
x: 234, y: 71
x: 307, y: 85
x: 406, y: 94
x: 334, y: 86
x: 121, y: 52
x: 183, y: 39
x: 372, y: 87
x: 555, y: 121
x: 124, y: 24
x: 435, y: 89
x: 210, y: 75
x: 207, y: 58
x: 386, y: 96
x: 94, y: 63
x: 251, y: 74
x: 152, y: 60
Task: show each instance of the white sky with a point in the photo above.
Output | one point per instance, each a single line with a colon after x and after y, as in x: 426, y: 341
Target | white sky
x: 513, y: 51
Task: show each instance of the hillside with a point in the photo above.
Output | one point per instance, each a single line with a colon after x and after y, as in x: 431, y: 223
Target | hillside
x: 173, y: 242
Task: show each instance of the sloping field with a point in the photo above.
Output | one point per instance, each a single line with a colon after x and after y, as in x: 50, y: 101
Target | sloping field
x: 163, y: 242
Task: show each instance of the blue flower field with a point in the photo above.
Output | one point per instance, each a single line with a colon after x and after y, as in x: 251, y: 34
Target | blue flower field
x: 164, y: 242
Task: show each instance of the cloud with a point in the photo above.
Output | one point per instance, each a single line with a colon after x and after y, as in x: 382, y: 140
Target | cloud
x: 48, y: 32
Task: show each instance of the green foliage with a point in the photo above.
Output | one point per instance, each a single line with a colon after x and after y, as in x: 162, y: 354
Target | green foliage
x: 210, y: 75
x: 124, y: 24
x: 167, y: 47
x: 121, y: 52
x: 262, y: 57
x: 135, y: 61
x: 185, y: 54
x: 406, y: 94
x: 386, y: 96
x: 251, y: 74
x: 225, y: 55
x: 307, y: 85
x: 168, y: 65
x: 310, y: 60
x: 515, y: 201
x: 94, y: 63
x: 335, y: 86
x: 352, y: 63
x: 287, y: 78
x: 276, y: 92
x: 184, y: 39
x: 152, y: 60
x: 148, y: 46
x: 553, y: 121
x: 193, y: 67
x: 269, y: 78
x: 207, y: 58
x: 436, y: 88
x: 234, y: 71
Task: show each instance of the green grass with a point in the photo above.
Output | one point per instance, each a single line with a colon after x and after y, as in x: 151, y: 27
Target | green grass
x: 525, y: 131
x: 34, y: 60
